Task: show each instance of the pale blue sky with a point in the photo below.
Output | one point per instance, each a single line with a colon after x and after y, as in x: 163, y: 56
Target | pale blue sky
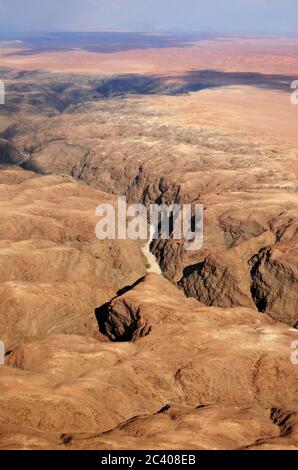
x: 229, y: 16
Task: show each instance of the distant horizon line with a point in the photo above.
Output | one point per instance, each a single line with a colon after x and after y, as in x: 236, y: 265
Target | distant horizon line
x: 189, y: 32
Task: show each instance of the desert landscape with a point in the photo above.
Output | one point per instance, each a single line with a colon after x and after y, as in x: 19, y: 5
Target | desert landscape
x: 104, y: 351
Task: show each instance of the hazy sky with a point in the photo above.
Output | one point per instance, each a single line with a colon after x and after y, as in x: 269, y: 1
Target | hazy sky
x: 231, y: 16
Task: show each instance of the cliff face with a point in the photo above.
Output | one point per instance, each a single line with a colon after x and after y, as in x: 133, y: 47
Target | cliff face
x: 259, y: 270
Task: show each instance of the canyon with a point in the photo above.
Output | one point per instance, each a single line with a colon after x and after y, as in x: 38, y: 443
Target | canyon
x: 123, y: 344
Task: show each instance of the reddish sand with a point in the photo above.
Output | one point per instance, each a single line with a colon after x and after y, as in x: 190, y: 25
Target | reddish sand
x: 265, y: 114
x: 270, y: 56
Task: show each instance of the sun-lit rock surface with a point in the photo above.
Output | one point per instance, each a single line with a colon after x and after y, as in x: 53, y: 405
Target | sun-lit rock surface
x: 235, y: 362
x: 54, y: 272
x: 101, y: 355
x: 142, y: 146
